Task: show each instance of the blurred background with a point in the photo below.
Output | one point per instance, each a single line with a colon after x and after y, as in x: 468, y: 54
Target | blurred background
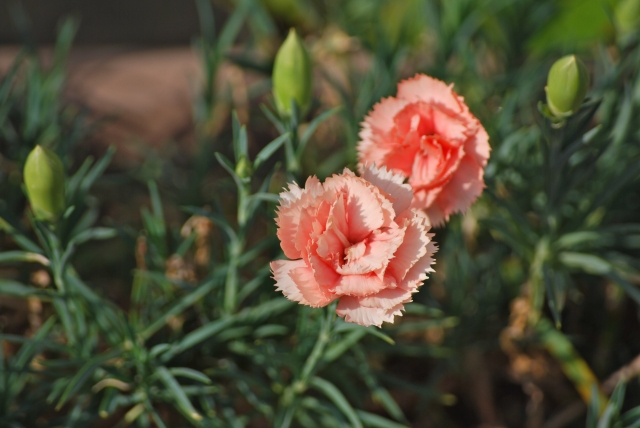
x: 162, y: 80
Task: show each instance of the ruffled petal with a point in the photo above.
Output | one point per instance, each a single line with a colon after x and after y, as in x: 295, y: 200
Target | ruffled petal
x: 386, y: 299
x: 324, y: 273
x: 284, y: 282
x: 363, y: 210
x: 359, y: 285
x: 478, y: 145
x: 352, y: 311
x: 430, y: 90
x: 391, y: 185
x: 463, y: 189
x: 412, y: 249
x: 418, y: 272
x: 379, y: 249
x: 288, y: 214
x: 374, y: 142
x: 311, y: 291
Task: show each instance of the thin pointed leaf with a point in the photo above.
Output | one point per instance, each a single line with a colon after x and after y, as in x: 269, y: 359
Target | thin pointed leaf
x: 376, y: 421
x: 23, y: 256
x: 334, y: 394
x: 269, y: 150
x: 311, y: 128
x: 182, y: 401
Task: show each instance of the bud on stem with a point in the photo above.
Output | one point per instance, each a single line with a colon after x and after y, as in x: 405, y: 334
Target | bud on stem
x: 244, y: 168
x: 292, y: 75
x: 44, y: 180
x: 567, y: 85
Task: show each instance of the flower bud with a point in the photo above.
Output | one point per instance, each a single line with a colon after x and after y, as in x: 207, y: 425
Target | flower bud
x: 243, y: 167
x: 44, y: 180
x: 292, y: 75
x: 567, y: 85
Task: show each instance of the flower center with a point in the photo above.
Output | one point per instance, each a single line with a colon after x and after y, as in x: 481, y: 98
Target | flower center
x: 354, y: 252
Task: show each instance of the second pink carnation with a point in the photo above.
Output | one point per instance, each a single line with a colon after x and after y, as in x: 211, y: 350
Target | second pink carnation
x: 428, y: 135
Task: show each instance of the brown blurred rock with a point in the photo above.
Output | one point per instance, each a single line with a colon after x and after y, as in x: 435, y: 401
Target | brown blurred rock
x: 145, y: 96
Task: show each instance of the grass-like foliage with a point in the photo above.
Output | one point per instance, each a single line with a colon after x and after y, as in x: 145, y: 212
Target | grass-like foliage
x: 173, y: 319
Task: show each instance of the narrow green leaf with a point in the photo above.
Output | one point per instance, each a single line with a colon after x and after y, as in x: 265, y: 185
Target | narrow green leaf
x: 233, y: 25
x: 190, y: 374
x: 182, y: 401
x: 334, y: 394
x: 269, y: 150
x: 273, y: 118
x: 85, y: 372
x: 97, y: 170
x: 270, y: 330
x: 23, y: 256
x: 267, y: 197
x: 207, y: 21
x: 586, y: 262
x: 13, y: 288
x: 228, y: 166
x: 197, y: 336
x: 311, y: 128
x: 376, y: 421
x: 340, y: 347
x: 343, y: 326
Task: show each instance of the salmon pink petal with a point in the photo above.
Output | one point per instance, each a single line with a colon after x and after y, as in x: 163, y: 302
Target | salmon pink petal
x: 430, y: 90
x: 463, y: 188
x: 418, y: 272
x: 382, y: 114
x: 331, y: 246
x: 352, y: 311
x: 284, y: 282
x: 453, y: 128
x: 379, y: 249
x: 359, y: 285
x: 337, y: 220
x: 305, y: 230
x: 478, y: 146
x: 288, y: 218
x: 434, y: 214
x: 412, y: 249
x: 391, y: 185
x: 362, y: 208
x: 324, y: 274
x: 311, y: 291
x: 400, y: 158
x: 386, y: 299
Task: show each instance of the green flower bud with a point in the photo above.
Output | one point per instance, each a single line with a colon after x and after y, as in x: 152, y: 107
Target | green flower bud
x: 244, y: 167
x: 567, y: 85
x: 44, y: 180
x: 292, y: 75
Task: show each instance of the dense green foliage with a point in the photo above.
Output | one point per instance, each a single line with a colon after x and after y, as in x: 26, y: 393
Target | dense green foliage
x: 531, y: 311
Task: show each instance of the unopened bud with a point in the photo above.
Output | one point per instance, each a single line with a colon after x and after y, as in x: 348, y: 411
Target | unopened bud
x: 244, y: 167
x: 292, y: 75
x: 44, y: 180
x: 567, y: 85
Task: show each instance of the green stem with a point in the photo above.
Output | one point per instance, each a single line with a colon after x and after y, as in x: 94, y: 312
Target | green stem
x: 231, y: 282
x: 290, y: 144
x: 291, y: 392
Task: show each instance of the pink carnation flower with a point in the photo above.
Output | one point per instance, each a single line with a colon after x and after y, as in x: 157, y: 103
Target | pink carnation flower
x: 355, y: 239
x: 428, y: 135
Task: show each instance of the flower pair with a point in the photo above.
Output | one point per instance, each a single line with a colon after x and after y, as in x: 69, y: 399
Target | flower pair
x: 364, y: 240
